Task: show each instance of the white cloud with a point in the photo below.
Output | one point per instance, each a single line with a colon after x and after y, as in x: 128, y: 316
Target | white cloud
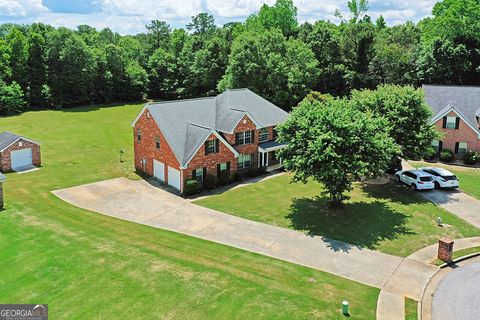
x: 130, y: 16
x: 21, y: 8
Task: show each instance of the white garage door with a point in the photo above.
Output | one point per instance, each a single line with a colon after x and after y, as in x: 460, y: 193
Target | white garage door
x: 174, y: 178
x: 158, y: 170
x: 21, y: 158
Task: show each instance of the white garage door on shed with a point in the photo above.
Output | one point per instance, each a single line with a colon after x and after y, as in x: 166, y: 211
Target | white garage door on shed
x: 159, y: 170
x: 21, y: 158
x: 174, y: 178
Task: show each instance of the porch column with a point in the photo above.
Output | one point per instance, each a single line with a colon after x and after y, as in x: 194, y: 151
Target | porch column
x: 266, y: 162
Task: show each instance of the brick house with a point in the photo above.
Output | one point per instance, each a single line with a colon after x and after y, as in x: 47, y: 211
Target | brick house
x: 188, y: 139
x: 17, y: 152
x: 456, y: 113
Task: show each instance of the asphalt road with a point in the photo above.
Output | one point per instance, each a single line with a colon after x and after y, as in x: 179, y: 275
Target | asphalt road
x: 458, y: 295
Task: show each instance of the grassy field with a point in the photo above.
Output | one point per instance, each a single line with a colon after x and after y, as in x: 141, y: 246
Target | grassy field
x: 89, y: 266
x: 389, y: 218
x: 411, y: 307
x: 458, y: 253
x: 469, y: 177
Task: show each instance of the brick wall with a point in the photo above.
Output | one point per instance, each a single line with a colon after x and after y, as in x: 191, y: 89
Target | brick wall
x: 463, y: 134
x: 210, y: 161
x: 6, y: 160
x: 145, y: 149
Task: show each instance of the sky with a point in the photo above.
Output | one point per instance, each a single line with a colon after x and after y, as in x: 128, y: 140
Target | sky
x: 130, y: 16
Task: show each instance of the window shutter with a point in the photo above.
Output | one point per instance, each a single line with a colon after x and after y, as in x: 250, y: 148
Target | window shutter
x: 228, y: 166
x: 204, y: 173
x: 194, y: 174
x: 444, y: 122
x: 205, y: 147
x: 253, y: 136
x: 457, y: 122
x: 457, y: 144
x: 440, y: 146
x: 236, y: 138
x: 218, y: 169
x: 217, y: 145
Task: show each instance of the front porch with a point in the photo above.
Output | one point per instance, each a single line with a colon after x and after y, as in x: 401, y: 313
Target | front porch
x: 267, y: 156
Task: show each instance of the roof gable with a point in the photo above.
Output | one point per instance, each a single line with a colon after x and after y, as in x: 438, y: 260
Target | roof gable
x: 7, y: 139
x: 464, y: 100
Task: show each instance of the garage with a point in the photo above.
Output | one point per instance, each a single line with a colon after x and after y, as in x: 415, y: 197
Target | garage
x: 21, y: 158
x: 18, y: 153
x: 159, y: 170
x: 174, y: 178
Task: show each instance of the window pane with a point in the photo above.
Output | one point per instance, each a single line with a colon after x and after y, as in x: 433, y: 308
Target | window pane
x: 451, y: 121
x: 263, y: 135
x: 199, y: 174
x: 462, y: 148
x: 210, y: 147
x: 248, y: 136
x: 223, y: 166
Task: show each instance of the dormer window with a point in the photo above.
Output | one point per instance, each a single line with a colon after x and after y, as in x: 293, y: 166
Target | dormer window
x: 211, y: 146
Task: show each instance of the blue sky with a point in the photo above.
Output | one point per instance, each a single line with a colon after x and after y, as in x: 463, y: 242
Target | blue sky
x: 130, y: 16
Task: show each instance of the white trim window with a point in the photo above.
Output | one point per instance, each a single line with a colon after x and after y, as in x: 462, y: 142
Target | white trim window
x: 198, y: 174
x: 245, y: 137
x: 451, y: 123
x: 244, y: 161
x: 263, y: 135
x: 462, y: 148
x: 157, y: 142
x: 211, y: 146
x: 139, y: 134
x: 436, y: 145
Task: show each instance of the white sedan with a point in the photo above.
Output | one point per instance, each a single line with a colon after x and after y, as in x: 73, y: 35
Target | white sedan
x: 442, y: 178
x: 415, y: 179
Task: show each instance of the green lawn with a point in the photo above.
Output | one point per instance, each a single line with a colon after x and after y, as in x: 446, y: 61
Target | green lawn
x: 411, y: 307
x: 469, y: 177
x: 459, y: 253
x: 389, y: 218
x: 89, y: 266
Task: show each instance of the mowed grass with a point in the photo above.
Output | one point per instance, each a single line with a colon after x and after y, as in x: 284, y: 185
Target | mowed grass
x: 411, y: 308
x: 89, y: 266
x: 469, y: 177
x: 390, y: 218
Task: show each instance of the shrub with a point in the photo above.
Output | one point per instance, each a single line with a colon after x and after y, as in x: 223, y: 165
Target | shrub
x: 209, y: 182
x: 471, y: 157
x: 252, y: 172
x: 262, y: 170
x: 191, y: 187
x: 238, y: 176
x: 430, y: 154
x: 224, y: 177
x: 447, y: 155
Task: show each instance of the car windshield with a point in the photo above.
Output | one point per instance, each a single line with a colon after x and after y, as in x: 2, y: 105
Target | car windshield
x: 425, y: 178
x: 450, y: 178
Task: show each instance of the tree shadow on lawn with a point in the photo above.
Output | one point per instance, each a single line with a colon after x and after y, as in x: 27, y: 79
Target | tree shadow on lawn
x: 393, y: 192
x: 359, y: 224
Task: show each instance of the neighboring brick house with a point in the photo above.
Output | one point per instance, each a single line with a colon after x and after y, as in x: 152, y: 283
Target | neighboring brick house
x: 456, y: 113
x: 17, y: 152
x: 178, y: 140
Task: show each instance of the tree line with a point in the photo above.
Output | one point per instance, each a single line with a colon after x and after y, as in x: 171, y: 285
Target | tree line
x: 270, y: 53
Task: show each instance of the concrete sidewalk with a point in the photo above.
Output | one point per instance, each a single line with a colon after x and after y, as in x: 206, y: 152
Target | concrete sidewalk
x: 139, y: 202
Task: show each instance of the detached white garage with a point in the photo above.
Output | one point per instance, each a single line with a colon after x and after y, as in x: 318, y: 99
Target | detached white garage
x: 18, y: 153
x: 174, y: 178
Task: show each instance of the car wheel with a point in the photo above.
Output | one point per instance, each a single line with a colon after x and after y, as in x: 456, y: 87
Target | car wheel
x: 397, y: 178
x: 437, y: 185
x: 413, y: 187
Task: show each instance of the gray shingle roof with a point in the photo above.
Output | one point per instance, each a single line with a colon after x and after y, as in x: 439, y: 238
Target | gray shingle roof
x: 187, y: 123
x: 6, y: 139
x: 465, y: 99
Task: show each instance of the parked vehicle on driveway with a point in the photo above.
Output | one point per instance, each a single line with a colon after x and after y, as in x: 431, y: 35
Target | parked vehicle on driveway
x: 415, y: 179
x: 443, y: 179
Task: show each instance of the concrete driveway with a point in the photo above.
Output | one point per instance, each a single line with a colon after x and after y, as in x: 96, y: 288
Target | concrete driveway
x: 140, y: 202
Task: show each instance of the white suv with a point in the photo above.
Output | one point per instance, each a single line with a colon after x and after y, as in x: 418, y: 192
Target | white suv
x: 442, y: 178
x: 416, y: 179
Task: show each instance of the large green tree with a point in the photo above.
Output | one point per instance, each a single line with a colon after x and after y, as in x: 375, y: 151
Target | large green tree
x: 407, y: 116
x: 334, y: 143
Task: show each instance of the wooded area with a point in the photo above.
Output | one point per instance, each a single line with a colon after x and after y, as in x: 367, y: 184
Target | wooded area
x: 270, y: 53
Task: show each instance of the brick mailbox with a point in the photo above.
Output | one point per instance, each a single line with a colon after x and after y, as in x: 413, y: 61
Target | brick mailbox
x: 445, y: 249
